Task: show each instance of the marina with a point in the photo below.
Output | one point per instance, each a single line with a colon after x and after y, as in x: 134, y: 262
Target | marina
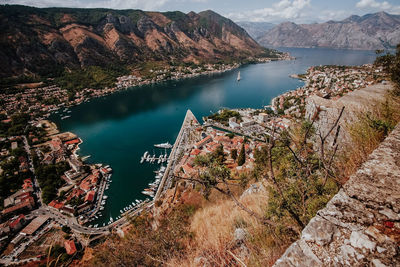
x: 138, y: 118
x: 154, y: 159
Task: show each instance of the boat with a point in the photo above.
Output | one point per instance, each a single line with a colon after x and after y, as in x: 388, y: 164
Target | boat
x: 105, y: 197
x: 120, y: 211
x: 65, y: 117
x: 163, y: 145
x: 148, y: 193
x: 238, y: 77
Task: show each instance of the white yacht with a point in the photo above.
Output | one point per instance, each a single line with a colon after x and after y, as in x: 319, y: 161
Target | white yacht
x: 163, y: 145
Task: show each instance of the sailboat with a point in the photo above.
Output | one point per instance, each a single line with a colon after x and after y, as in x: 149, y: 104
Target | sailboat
x: 238, y: 77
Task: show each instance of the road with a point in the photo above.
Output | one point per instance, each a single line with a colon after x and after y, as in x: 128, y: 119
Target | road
x: 36, y: 186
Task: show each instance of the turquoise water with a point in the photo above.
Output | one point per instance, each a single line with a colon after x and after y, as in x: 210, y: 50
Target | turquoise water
x: 119, y: 128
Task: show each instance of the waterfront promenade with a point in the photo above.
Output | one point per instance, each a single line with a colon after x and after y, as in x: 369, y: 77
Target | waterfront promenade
x: 179, y: 146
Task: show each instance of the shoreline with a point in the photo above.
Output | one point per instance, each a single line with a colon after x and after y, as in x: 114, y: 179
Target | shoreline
x: 107, y: 91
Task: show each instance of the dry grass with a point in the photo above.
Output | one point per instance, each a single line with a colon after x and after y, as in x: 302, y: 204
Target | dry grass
x: 214, y: 226
x: 365, y: 138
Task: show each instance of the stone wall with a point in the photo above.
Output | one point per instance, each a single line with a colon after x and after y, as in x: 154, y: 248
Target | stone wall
x: 360, y: 226
x: 357, y: 102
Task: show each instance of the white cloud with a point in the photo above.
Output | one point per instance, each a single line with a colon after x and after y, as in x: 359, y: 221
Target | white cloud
x: 376, y: 5
x: 115, y: 4
x: 336, y: 15
x: 373, y: 4
x: 282, y: 10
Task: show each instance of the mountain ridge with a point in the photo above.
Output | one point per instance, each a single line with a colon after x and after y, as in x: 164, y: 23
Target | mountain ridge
x: 371, y: 31
x: 47, y: 40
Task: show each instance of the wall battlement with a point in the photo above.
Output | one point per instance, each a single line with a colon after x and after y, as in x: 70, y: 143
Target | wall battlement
x: 360, y: 226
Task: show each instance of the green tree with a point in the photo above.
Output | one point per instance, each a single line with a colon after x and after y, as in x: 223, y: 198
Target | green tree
x: 391, y: 64
x: 234, y: 154
x: 242, y: 156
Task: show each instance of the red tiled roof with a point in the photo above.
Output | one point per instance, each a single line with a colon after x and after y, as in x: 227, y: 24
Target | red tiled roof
x: 29, y: 203
x: 188, y: 169
x: 85, y: 185
x: 90, y: 196
x: 202, y: 142
x: 70, y: 247
x: 73, y: 141
x: 195, y: 152
x: 55, y: 204
x: 16, y: 221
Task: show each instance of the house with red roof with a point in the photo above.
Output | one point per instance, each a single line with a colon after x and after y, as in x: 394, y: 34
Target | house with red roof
x: 203, y: 142
x: 70, y: 247
x: 195, y: 152
x: 85, y: 185
x: 188, y: 169
x: 90, y: 196
x: 56, y: 205
x: 17, y: 223
x: 27, y: 184
x: 73, y: 141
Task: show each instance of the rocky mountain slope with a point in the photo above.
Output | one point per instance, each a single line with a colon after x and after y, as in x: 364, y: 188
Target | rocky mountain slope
x: 43, y: 41
x: 256, y: 29
x: 371, y: 31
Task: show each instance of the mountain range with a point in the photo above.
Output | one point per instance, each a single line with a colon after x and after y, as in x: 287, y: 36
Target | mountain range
x: 256, y: 29
x: 45, y: 40
x: 372, y: 31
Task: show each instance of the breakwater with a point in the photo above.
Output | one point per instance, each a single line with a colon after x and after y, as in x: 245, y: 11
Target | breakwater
x: 180, y: 145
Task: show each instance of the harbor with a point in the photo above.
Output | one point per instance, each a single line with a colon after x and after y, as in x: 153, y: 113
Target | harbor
x: 136, y: 119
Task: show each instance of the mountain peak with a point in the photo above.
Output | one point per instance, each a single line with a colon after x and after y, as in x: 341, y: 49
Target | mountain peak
x: 55, y: 38
x: 352, y: 18
x: 369, y: 32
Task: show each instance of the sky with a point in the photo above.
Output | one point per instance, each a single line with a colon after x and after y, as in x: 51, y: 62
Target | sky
x: 275, y: 11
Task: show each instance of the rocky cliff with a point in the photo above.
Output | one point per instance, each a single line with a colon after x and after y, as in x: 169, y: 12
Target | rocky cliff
x: 361, y: 101
x: 42, y: 41
x: 373, y: 31
x: 360, y: 226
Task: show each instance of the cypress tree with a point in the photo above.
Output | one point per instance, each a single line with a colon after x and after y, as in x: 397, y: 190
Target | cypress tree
x: 242, y: 157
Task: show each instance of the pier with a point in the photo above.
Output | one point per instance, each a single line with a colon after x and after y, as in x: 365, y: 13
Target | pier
x: 180, y: 144
x: 153, y: 159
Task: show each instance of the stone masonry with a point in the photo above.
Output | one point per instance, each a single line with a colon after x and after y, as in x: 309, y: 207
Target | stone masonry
x: 360, y: 226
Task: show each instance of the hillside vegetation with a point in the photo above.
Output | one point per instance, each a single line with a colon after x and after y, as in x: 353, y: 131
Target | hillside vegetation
x: 54, y: 42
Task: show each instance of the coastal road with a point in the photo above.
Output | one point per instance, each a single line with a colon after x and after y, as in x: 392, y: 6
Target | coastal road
x: 37, y: 189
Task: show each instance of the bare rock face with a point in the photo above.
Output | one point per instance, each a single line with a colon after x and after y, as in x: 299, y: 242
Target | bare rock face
x: 359, y: 101
x: 360, y: 226
x: 372, y: 31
